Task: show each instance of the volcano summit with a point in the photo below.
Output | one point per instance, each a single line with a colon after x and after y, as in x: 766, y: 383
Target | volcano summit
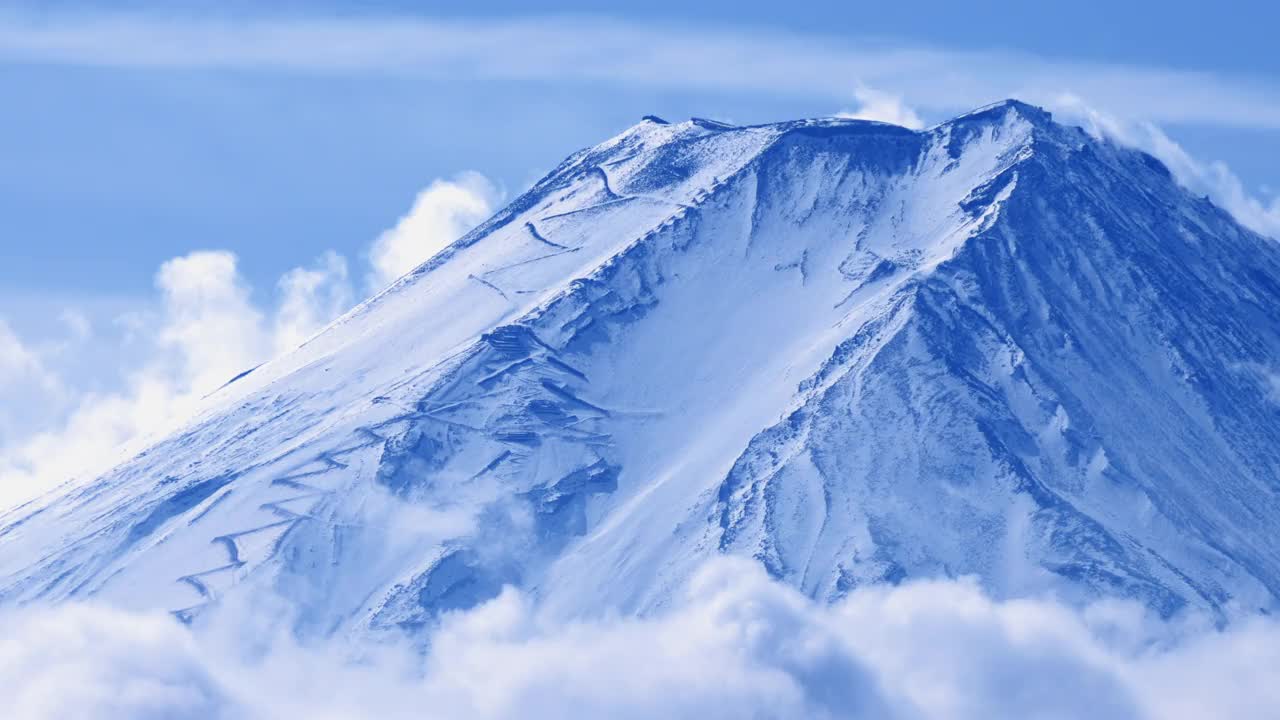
x: 856, y: 352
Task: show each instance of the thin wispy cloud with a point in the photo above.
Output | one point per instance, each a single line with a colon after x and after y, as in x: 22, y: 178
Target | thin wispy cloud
x: 882, y: 107
x: 653, y: 55
x: 1212, y: 178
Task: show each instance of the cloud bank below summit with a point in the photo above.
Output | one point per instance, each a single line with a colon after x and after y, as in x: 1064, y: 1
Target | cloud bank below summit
x: 738, y: 645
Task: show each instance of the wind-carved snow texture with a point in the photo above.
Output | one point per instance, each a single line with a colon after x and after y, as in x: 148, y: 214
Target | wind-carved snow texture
x: 858, y: 353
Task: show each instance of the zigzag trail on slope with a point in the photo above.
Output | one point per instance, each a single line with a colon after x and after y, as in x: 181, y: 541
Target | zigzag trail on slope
x: 855, y: 352
x: 240, y: 556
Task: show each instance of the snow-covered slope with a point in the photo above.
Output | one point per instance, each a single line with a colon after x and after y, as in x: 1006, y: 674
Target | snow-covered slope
x: 857, y: 352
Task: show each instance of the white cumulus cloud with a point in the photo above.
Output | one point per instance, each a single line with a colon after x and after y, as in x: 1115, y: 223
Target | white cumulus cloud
x: 202, y: 331
x: 208, y: 320
x: 441, y: 213
x: 310, y: 298
x: 204, y: 327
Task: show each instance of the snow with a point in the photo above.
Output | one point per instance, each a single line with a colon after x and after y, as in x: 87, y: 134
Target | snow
x: 856, y: 352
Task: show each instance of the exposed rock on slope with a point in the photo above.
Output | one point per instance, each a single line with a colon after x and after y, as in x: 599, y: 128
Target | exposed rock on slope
x: 857, y: 352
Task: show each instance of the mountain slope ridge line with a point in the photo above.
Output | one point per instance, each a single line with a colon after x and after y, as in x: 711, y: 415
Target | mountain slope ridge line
x: 857, y: 353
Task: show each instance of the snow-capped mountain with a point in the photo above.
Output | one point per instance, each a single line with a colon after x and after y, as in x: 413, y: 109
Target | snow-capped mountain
x: 857, y: 352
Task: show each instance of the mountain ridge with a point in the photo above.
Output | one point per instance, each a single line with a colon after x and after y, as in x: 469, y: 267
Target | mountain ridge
x: 855, y: 352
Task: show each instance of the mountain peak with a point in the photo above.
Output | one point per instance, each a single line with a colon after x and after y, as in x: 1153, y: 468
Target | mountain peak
x: 1031, y: 113
x: 856, y: 352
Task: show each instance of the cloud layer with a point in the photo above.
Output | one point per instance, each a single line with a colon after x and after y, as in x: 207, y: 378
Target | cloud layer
x: 739, y: 645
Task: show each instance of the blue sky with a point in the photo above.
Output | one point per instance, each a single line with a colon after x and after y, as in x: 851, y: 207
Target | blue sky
x: 111, y: 169
x: 134, y: 133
